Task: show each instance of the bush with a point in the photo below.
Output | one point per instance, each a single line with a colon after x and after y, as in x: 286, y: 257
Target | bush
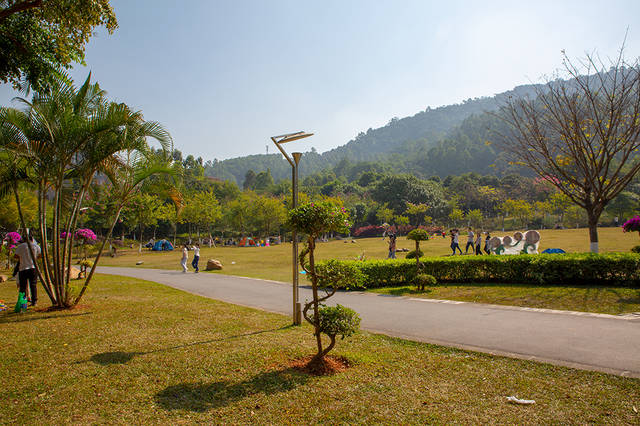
x: 412, y: 254
x: 369, y: 231
x: 614, y: 269
x: 423, y: 280
x: 418, y: 235
x: 338, y: 321
x: 339, y: 274
x: 635, y: 249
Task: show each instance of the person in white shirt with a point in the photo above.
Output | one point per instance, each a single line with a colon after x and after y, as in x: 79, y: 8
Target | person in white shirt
x: 454, y: 241
x: 196, y: 257
x: 185, y: 256
x: 27, y: 273
x: 470, y: 238
x: 479, y: 243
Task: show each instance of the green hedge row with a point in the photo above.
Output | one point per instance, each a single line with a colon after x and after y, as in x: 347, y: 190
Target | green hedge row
x: 540, y: 269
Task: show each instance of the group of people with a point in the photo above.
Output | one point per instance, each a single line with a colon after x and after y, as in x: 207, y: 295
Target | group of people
x: 185, y: 257
x: 474, y: 241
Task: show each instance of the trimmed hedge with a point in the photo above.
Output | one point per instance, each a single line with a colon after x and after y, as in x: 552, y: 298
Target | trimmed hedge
x: 622, y: 270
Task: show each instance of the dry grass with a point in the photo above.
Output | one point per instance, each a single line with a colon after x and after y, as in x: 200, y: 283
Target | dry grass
x: 142, y: 353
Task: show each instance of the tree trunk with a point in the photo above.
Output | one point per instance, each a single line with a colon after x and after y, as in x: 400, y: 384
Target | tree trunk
x: 593, y: 230
x: 314, y: 288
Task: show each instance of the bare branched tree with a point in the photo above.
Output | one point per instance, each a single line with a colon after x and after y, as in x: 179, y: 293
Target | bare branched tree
x: 582, y: 133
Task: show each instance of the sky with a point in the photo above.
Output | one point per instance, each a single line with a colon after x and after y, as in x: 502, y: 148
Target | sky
x: 224, y: 76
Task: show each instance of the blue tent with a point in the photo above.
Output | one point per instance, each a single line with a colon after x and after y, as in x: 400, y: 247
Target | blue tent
x: 553, y: 251
x: 162, y: 245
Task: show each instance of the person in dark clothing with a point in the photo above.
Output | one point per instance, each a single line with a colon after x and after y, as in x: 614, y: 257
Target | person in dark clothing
x: 478, y: 243
x: 486, y: 243
x: 196, y: 257
x: 392, y: 246
x: 27, y: 271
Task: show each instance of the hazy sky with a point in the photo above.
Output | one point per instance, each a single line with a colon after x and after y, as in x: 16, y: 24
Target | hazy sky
x: 224, y: 76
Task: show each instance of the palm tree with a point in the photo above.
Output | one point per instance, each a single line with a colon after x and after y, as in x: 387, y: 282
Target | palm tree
x: 56, y: 144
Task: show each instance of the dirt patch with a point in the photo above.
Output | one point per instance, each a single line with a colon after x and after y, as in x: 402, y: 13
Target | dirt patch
x: 329, y: 365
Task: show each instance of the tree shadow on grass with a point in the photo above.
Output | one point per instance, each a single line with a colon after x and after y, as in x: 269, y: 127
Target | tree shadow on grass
x: 11, y: 317
x: 203, y: 397
x: 119, y: 357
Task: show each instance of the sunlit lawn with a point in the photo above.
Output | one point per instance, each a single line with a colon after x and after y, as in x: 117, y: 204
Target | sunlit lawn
x: 142, y: 353
x: 274, y: 262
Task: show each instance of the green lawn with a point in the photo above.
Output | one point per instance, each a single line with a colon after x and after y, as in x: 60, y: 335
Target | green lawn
x: 606, y: 300
x: 274, y: 262
x: 138, y: 352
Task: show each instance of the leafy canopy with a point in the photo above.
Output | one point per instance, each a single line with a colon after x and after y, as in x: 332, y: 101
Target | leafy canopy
x: 42, y: 36
x: 314, y: 218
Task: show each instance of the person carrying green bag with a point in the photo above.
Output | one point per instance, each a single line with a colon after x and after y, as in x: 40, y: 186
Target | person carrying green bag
x: 21, y: 305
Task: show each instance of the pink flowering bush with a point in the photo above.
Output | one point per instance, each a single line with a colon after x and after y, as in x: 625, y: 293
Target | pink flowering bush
x: 86, y: 235
x: 632, y: 225
x: 12, y: 239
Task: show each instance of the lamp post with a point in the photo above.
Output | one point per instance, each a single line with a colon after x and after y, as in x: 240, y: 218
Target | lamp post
x: 278, y: 140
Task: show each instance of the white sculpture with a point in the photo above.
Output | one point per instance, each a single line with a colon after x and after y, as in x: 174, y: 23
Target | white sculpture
x: 526, y: 243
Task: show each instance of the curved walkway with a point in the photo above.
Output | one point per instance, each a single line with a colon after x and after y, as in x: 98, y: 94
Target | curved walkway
x: 598, y: 342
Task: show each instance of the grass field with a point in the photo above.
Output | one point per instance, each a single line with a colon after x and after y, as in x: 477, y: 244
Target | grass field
x: 140, y: 353
x: 274, y: 262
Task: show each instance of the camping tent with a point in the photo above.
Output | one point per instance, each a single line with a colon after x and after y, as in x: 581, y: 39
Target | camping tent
x: 162, y: 245
x: 553, y: 251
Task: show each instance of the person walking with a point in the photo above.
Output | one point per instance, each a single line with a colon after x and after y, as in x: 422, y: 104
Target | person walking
x: 455, y: 237
x: 479, y: 243
x: 469, y: 241
x: 185, y: 256
x: 392, y: 246
x: 27, y: 271
x: 486, y: 243
x: 196, y: 257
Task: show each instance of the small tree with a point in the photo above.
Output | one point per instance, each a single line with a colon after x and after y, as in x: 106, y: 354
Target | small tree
x: 456, y: 216
x: 474, y: 217
x: 581, y: 134
x: 314, y: 219
x: 418, y: 235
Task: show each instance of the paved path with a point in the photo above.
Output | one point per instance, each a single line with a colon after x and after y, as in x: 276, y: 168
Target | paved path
x: 589, y: 341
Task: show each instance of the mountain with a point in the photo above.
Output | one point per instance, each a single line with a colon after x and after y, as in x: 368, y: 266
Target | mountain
x: 436, y: 135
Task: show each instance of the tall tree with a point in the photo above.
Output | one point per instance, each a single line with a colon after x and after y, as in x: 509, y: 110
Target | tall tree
x: 582, y: 134
x: 57, y: 144
x: 37, y: 37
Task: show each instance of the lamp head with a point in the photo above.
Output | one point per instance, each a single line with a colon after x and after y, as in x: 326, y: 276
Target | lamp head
x: 296, y: 157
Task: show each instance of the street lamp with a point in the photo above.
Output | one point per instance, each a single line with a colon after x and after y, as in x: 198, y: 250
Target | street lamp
x: 278, y: 140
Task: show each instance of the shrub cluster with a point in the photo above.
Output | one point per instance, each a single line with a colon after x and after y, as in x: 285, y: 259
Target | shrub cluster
x: 542, y: 269
x: 412, y: 254
x: 424, y: 280
x: 377, y: 230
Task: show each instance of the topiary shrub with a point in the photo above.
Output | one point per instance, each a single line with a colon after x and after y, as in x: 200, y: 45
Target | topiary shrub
x: 314, y: 219
x: 338, y: 321
x: 412, y: 254
x: 422, y: 280
x: 417, y: 235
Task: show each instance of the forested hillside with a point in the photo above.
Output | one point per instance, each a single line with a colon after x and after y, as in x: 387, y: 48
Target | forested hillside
x: 431, y: 142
